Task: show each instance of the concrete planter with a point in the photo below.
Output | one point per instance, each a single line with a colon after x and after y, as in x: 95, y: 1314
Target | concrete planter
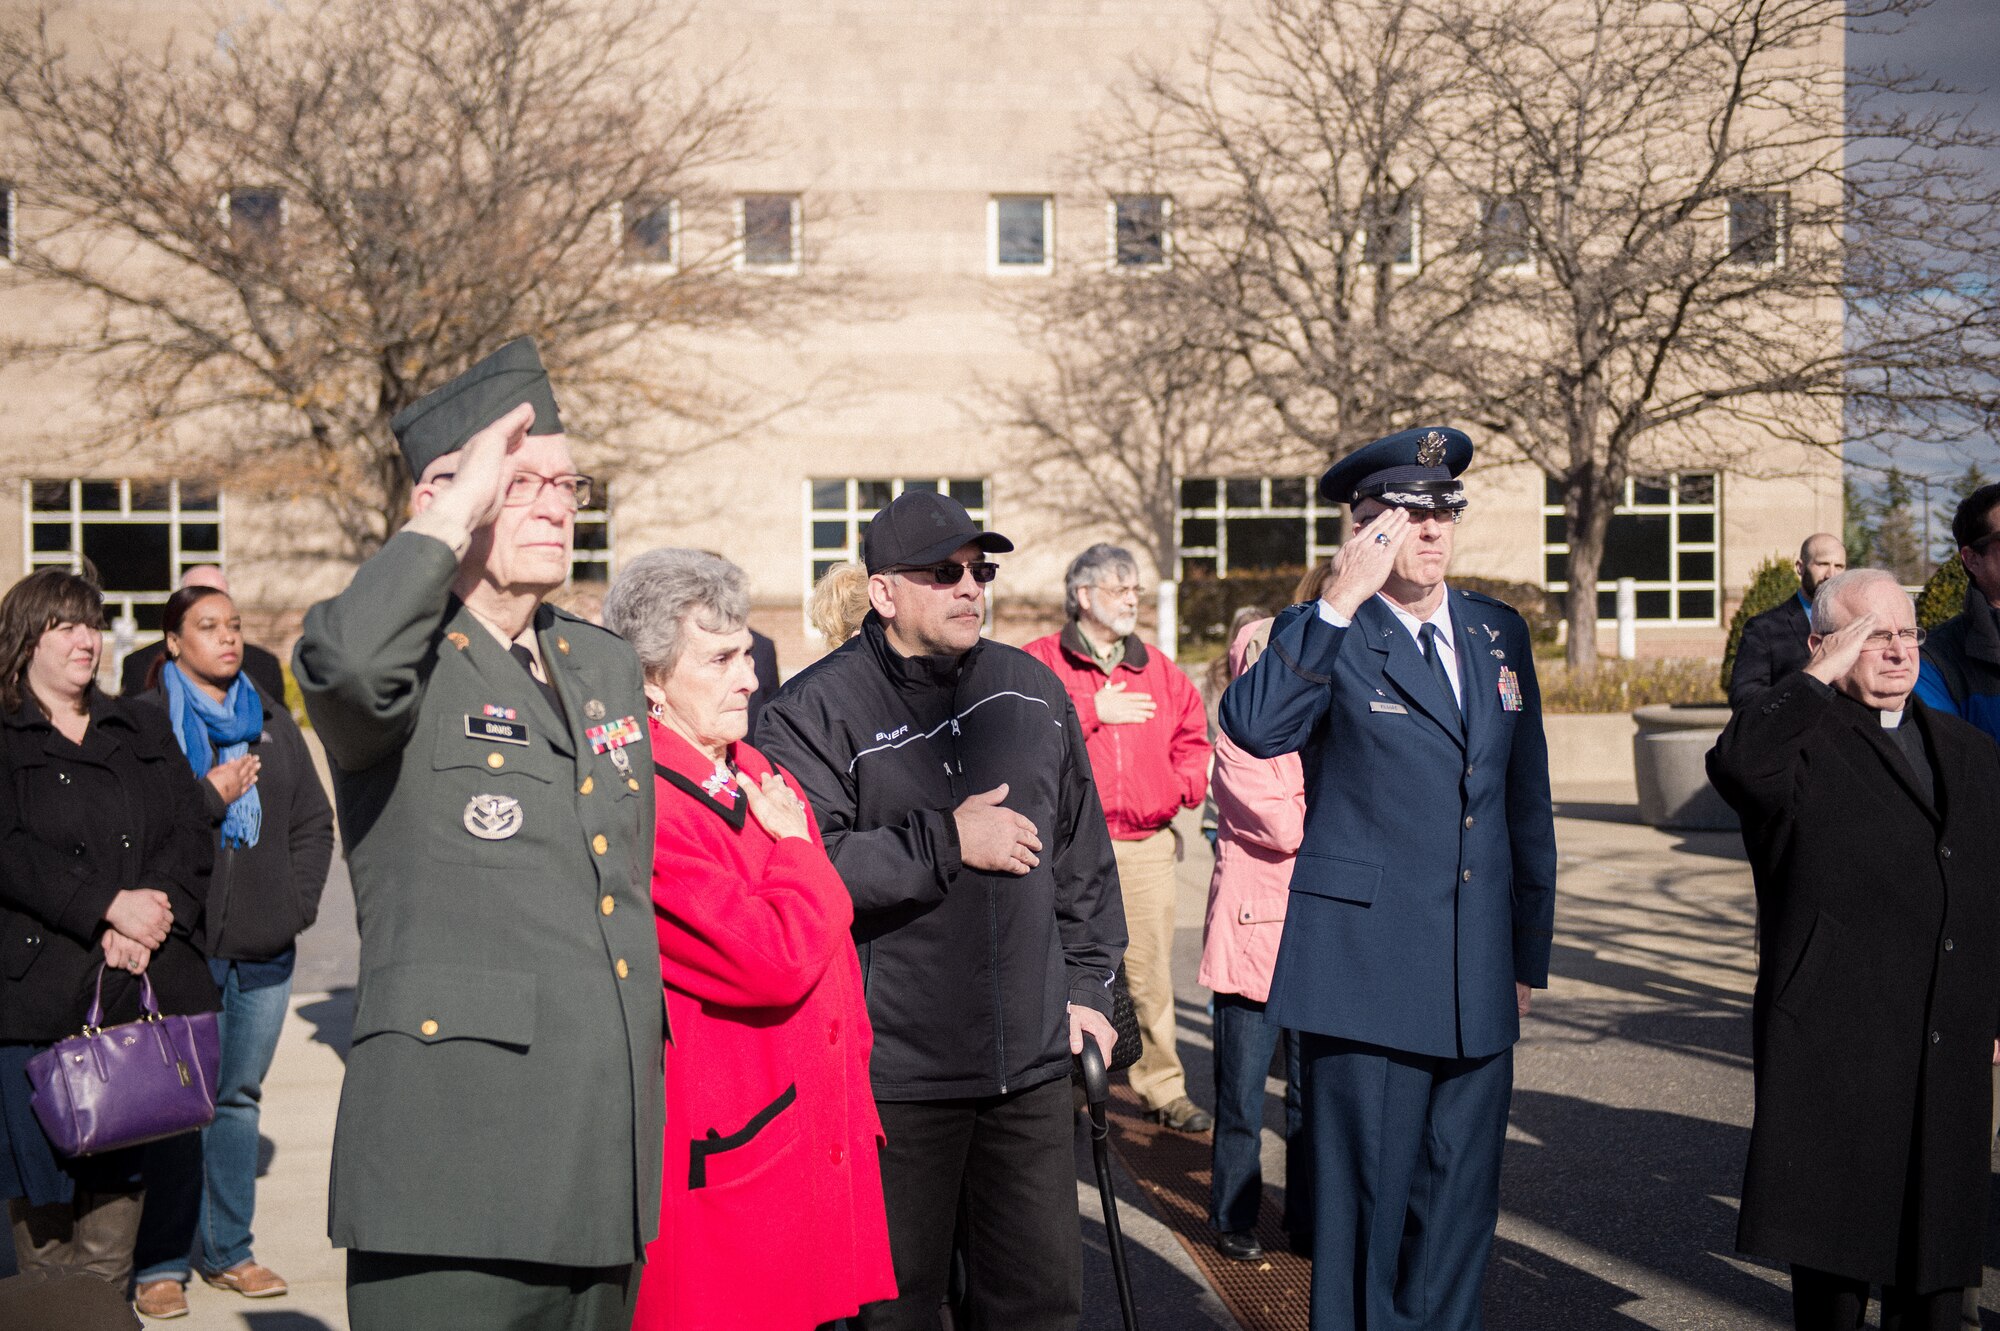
x: 1669, y: 755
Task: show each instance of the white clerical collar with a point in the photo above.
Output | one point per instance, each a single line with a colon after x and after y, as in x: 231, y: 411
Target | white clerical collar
x: 1890, y: 720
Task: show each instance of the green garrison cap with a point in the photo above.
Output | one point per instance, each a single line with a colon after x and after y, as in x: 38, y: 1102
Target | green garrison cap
x: 442, y: 420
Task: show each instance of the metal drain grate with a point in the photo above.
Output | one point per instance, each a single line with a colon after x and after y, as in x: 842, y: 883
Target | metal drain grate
x: 1173, y: 1168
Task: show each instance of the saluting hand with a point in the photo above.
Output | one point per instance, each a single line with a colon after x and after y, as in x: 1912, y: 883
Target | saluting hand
x: 1364, y: 563
x: 485, y: 470
x: 774, y: 806
x: 1834, y: 654
x: 995, y: 839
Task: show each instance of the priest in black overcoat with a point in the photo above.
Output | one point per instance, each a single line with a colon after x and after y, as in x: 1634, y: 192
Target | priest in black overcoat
x: 1873, y: 824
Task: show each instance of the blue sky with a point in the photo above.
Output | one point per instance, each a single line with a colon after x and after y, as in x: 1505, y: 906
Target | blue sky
x: 1956, y: 42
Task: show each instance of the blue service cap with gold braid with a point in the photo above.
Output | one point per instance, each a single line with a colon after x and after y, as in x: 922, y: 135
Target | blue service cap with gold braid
x: 1410, y: 469
x: 442, y: 420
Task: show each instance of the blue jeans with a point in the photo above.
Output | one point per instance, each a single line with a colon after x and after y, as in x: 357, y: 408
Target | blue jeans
x: 207, y: 1182
x: 1244, y: 1043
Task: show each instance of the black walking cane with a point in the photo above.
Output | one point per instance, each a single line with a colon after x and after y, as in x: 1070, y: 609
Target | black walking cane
x: 1097, y: 1094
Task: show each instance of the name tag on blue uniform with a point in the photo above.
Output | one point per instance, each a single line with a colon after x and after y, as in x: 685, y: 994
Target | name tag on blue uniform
x: 495, y: 730
x: 1395, y: 707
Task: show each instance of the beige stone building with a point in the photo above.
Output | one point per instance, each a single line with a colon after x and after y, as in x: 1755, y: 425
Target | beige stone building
x: 922, y: 144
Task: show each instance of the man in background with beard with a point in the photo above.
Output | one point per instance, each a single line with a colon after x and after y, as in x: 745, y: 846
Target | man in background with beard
x: 1147, y: 734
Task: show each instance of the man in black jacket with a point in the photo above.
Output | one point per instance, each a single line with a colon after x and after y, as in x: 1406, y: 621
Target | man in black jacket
x: 954, y: 794
x: 1774, y: 643
x: 1873, y: 825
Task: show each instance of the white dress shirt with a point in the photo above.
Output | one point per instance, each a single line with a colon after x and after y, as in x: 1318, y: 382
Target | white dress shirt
x: 1440, y: 617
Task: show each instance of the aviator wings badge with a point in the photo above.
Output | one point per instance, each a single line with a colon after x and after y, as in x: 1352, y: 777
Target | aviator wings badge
x: 493, y: 817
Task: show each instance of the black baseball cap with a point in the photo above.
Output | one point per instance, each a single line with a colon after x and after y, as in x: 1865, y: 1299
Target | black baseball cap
x: 921, y: 527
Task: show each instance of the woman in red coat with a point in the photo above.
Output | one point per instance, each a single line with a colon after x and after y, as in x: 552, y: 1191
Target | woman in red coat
x: 771, y: 1213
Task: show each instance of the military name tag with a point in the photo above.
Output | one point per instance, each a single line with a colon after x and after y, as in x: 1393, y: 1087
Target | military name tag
x: 493, y: 817
x: 1394, y: 708
x: 498, y: 731
x: 1510, y: 690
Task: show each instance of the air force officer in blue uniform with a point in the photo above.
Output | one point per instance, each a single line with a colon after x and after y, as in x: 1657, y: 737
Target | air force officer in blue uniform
x: 1423, y: 896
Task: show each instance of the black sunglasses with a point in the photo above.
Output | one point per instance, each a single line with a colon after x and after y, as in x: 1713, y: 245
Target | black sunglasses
x: 946, y: 573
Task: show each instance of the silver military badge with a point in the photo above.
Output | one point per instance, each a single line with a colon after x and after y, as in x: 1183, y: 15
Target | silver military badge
x: 1430, y: 450
x: 493, y: 817
x: 594, y: 710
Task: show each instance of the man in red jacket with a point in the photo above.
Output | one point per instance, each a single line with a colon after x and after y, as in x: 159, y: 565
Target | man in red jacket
x: 1148, y: 740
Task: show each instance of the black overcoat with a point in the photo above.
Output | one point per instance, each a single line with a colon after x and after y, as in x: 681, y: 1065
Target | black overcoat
x: 78, y: 825
x: 1878, y: 986
x: 1773, y: 646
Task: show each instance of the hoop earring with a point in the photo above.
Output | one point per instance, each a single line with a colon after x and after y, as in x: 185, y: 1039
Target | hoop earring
x: 657, y: 710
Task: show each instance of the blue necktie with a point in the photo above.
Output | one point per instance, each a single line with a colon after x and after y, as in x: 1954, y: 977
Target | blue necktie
x: 1433, y: 645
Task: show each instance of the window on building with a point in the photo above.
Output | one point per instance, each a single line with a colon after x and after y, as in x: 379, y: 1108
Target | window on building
x: 768, y: 226
x: 1663, y: 536
x: 1020, y: 231
x: 1139, y: 231
x: 1757, y: 228
x: 650, y: 232
x: 1396, y: 237
x: 10, y: 199
x: 140, y: 535
x: 838, y: 510
x: 253, y: 216
x: 1506, y: 241
x: 1248, y: 524
x: 590, y: 545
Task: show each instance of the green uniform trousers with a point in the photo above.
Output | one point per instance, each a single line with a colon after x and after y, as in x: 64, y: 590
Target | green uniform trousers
x: 391, y: 1291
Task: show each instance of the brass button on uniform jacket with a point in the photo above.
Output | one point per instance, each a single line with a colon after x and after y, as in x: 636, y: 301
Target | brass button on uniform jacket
x: 504, y: 1090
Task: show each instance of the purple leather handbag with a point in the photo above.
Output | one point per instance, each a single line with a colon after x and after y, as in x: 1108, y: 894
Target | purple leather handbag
x: 148, y: 1079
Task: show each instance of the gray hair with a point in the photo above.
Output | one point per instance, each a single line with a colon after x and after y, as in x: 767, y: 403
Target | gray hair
x: 1846, y: 584
x: 656, y: 593
x: 1087, y: 567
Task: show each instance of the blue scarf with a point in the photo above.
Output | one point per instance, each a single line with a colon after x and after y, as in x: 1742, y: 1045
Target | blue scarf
x: 202, y: 724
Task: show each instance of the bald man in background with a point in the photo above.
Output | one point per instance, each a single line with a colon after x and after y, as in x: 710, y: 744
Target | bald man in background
x: 1774, y: 643
x: 262, y: 667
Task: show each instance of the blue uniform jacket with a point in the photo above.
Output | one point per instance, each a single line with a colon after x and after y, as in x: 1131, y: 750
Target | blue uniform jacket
x: 1425, y: 886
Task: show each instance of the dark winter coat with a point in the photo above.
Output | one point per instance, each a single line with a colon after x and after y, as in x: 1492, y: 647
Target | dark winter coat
x: 968, y: 973
x: 78, y: 825
x: 1878, y: 985
x: 1961, y: 671
x: 262, y: 897
x: 1773, y: 646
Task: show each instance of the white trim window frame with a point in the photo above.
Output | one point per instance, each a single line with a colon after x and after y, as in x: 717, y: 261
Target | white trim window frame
x: 1779, y: 229
x: 1400, y: 267
x: 742, y: 259
x: 56, y: 510
x: 1232, y: 498
x: 597, y: 556
x: 1692, y: 507
x: 10, y: 201
x: 646, y: 257
x: 995, y: 267
x: 1114, y: 257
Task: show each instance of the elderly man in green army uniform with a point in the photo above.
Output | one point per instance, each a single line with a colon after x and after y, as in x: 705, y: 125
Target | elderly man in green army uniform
x: 497, y: 1156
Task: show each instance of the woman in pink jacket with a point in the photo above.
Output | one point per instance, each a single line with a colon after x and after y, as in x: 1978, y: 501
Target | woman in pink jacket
x: 1260, y: 808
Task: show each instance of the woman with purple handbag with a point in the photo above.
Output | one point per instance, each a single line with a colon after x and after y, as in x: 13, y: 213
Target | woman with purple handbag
x: 275, y: 834
x: 105, y: 850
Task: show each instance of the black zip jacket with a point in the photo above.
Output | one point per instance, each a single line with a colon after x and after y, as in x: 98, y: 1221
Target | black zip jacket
x: 262, y: 897
x: 968, y: 973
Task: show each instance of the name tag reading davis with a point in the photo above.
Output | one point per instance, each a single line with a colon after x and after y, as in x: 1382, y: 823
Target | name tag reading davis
x: 496, y: 731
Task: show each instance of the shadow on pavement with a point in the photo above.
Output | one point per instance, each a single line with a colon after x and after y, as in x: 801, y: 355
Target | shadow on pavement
x: 1593, y: 812
x: 1653, y: 1190
x: 1520, y: 1278
x: 333, y: 1020
x: 284, y: 1321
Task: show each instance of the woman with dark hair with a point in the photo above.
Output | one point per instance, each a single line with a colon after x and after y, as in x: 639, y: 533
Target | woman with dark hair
x: 104, y: 861
x: 275, y: 840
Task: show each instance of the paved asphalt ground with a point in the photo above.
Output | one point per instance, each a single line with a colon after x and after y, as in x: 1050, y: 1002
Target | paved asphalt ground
x: 1630, y: 1118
